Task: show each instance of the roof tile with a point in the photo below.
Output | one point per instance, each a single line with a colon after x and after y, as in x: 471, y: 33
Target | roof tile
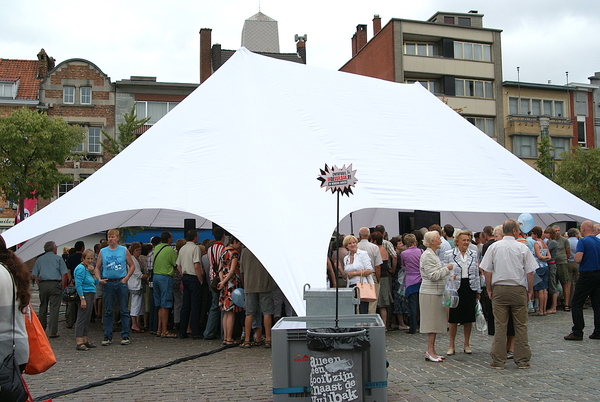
x: 26, y: 72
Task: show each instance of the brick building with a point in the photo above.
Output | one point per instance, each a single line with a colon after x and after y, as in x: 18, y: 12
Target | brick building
x: 450, y: 54
x: 80, y: 93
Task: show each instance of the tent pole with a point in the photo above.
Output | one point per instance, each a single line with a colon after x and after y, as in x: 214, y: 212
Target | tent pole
x: 337, y: 261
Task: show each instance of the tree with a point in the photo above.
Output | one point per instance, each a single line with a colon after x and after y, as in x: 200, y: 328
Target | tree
x: 32, y: 145
x: 545, y: 161
x: 126, y: 133
x: 579, y: 173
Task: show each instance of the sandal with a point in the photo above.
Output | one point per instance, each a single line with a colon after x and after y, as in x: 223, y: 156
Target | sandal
x: 246, y: 345
x: 230, y: 343
x: 169, y: 335
x: 82, y: 346
x: 567, y: 308
x: 257, y: 343
x: 268, y: 344
x: 90, y: 345
x: 139, y: 331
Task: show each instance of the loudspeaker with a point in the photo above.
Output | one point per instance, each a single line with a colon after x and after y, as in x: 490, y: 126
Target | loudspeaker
x: 426, y: 219
x: 188, y: 224
x: 571, y: 224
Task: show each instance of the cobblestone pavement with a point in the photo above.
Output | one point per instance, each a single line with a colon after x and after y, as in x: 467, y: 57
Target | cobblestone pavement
x: 561, y: 370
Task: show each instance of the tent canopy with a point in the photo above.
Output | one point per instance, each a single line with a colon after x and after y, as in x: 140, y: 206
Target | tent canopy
x: 244, y: 151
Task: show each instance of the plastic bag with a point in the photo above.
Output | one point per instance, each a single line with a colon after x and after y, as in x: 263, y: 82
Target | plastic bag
x: 323, y: 339
x: 402, y: 282
x: 480, y: 322
x: 450, y: 295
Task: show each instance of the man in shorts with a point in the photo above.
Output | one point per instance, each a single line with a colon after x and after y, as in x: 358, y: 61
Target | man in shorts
x: 165, y: 260
x: 258, y: 287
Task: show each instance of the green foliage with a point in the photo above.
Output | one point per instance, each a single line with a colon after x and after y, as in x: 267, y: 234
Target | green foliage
x: 126, y: 133
x: 579, y: 173
x: 545, y: 161
x: 31, y: 146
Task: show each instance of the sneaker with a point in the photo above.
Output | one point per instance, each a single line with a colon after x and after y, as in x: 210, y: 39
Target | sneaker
x: 510, y: 354
x: 125, y: 341
x: 107, y: 341
x: 492, y: 365
x: 573, y: 337
x: 594, y: 335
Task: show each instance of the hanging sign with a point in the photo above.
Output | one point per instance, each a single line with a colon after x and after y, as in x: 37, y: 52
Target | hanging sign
x: 338, y: 179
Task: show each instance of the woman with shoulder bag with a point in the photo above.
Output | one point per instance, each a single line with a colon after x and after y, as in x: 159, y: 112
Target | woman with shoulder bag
x: 14, y: 299
x: 358, y: 268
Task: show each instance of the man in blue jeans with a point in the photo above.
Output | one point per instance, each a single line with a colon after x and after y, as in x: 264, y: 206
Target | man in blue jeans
x: 213, y: 325
x: 588, y: 284
x: 114, y: 268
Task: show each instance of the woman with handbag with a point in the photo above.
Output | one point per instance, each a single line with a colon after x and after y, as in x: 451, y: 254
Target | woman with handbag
x: 85, y: 283
x: 358, y: 268
x: 433, y: 275
x: 466, y: 268
x: 14, y: 347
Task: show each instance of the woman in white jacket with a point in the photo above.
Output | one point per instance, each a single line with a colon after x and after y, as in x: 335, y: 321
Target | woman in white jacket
x: 357, y: 266
x: 434, y: 275
x: 134, y: 285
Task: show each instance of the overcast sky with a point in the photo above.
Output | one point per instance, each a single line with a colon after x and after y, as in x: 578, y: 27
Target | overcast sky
x: 160, y: 38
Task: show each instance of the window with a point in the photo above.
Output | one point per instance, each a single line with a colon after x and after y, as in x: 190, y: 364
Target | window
x: 429, y: 85
x: 485, y: 124
x: 536, y: 107
x: 154, y: 110
x: 94, y: 136
x: 69, y: 95
x: 464, y: 21
x: 85, y: 95
x: 474, y: 88
x: 6, y: 90
x: 560, y: 144
x: 472, y: 51
x: 65, y: 187
x: 524, y: 146
x: 449, y: 20
x: 581, y: 131
x: 419, y: 49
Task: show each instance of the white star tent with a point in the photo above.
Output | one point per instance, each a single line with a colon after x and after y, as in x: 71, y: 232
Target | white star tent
x: 245, y: 149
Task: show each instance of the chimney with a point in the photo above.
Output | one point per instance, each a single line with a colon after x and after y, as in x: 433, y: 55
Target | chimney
x: 205, y: 54
x: 376, y: 24
x: 45, y: 63
x: 301, y: 46
x: 361, y: 36
x: 359, y: 39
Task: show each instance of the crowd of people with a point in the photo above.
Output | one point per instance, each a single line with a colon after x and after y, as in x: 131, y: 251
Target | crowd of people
x: 189, y: 290
x: 181, y: 290
x: 510, y: 274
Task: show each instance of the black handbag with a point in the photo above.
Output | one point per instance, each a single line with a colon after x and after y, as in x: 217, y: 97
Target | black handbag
x: 70, y: 294
x: 12, y: 388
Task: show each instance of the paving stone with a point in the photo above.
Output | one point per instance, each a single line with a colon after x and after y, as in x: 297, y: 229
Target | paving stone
x: 561, y: 370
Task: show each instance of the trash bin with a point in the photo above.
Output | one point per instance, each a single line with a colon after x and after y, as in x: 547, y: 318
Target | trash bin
x: 336, y: 363
x: 291, y: 356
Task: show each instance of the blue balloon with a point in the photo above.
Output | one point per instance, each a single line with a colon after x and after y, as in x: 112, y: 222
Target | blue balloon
x: 526, y: 221
x: 238, y: 297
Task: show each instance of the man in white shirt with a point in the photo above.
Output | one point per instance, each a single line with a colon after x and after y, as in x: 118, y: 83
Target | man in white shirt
x: 376, y: 261
x: 509, y: 267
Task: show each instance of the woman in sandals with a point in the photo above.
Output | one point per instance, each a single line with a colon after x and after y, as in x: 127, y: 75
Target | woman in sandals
x: 135, y: 287
x: 229, y: 274
x: 542, y: 256
x: 85, y: 283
